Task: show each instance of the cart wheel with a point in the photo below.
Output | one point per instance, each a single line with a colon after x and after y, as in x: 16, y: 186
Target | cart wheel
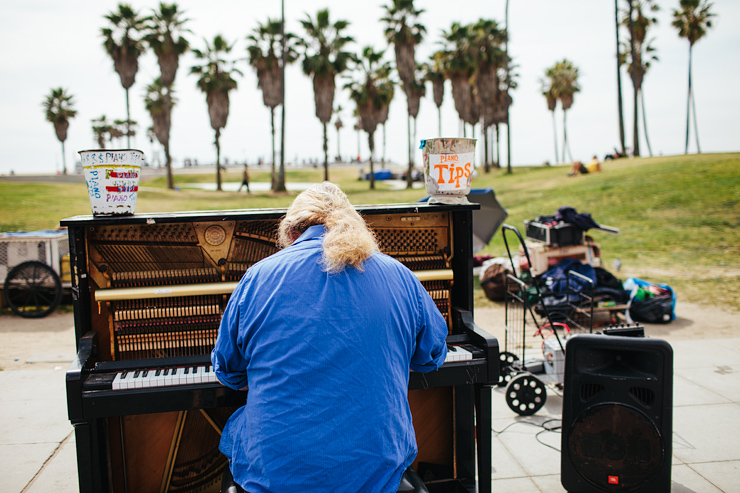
x: 32, y: 289
x: 506, y: 367
x: 526, y: 394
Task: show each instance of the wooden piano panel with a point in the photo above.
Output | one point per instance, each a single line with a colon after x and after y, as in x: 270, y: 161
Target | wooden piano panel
x: 432, y: 415
x: 169, y: 452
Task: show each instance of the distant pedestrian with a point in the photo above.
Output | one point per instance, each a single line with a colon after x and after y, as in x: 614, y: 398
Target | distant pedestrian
x: 245, y: 180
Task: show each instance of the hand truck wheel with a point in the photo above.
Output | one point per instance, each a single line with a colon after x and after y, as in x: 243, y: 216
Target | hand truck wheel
x: 506, y: 367
x: 32, y: 289
x: 525, y: 394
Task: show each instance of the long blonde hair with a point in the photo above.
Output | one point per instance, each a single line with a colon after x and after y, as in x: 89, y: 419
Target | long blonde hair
x: 348, y: 240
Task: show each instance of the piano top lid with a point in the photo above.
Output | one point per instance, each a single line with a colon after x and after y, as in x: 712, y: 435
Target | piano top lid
x: 242, y: 214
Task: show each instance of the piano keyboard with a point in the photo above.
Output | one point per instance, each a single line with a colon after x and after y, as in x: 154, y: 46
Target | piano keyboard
x: 200, y: 373
x: 164, y: 377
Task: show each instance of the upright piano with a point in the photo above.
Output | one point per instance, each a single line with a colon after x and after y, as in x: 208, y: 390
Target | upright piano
x: 149, y: 291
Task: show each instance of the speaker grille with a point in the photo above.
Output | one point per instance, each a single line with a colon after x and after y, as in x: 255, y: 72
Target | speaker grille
x: 589, y: 390
x: 615, y: 447
x: 643, y: 395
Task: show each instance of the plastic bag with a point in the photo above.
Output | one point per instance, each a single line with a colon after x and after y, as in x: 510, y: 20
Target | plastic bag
x: 650, y: 302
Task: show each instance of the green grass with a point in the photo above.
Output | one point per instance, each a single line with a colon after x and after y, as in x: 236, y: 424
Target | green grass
x: 679, y: 216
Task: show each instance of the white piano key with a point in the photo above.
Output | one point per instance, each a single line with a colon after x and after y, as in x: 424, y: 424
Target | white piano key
x: 209, y: 375
x: 158, y: 378
x: 189, y: 375
x: 464, y: 354
x: 128, y: 380
x: 169, y: 374
x: 137, y: 379
x: 117, y: 381
x: 199, y: 374
x: 146, y: 378
x: 179, y: 378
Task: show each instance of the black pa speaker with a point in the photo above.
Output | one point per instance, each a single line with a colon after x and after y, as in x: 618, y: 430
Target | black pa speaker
x: 617, y: 414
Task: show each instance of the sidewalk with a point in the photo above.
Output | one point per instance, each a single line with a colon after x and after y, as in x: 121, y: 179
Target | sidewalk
x: 37, y: 447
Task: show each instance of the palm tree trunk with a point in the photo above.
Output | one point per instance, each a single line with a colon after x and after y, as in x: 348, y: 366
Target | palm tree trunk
x: 486, y: 166
x: 64, y: 161
x: 412, y: 165
x: 644, y: 122
x: 555, y: 135
x: 339, y: 152
x: 636, y: 128
x: 273, y: 178
x: 696, y: 128
x: 218, y: 160
x: 280, y: 185
x: 128, y: 123
x: 382, y: 162
x: 371, y: 144
x: 508, y: 82
x: 409, y: 182
x: 439, y: 121
x: 688, y: 106
x: 326, y: 155
x: 498, y: 148
x: 693, y: 108
x: 168, y: 160
x: 565, y: 139
x: 619, y: 81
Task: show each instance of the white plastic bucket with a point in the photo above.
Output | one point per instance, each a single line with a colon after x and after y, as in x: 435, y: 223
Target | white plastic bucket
x: 448, y: 169
x: 112, y: 177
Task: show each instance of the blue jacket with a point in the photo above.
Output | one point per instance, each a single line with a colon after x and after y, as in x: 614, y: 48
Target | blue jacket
x: 327, y: 359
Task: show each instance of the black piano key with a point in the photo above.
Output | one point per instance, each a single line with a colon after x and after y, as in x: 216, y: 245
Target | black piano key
x: 158, y: 372
x: 187, y: 370
x: 136, y: 373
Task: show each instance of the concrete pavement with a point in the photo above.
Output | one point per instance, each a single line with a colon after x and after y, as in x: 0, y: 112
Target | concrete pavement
x: 37, y: 447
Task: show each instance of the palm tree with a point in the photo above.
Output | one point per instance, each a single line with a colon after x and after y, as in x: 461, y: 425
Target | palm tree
x: 265, y: 58
x: 371, y: 95
x: 619, y: 80
x: 564, y: 77
x: 338, y: 124
x: 457, y: 66
x: 404, y: 33
x: 101, y: 127
x: 325, y: 58
x: 692, y: 22
x: 433, y: 73
x: 484, y: 45
x: 215, y: 79
x: 123, y: 44
x: 638, y: 57
x: 550, y: 93
x: 164, y: 36
x: 59, y: 107
x: 159, y: 101
x: 415, y: 90
x: 638, y: 25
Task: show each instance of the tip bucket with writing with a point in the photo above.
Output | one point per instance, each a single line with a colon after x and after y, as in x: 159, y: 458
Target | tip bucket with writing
x: 448, y: 169
x: 112, y: 177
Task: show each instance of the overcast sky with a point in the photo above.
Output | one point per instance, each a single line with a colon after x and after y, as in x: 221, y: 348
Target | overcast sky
x: 49, y: 43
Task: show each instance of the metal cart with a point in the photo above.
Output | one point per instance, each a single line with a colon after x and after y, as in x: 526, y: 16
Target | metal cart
x: 550, y: 316
x: 34, y: 267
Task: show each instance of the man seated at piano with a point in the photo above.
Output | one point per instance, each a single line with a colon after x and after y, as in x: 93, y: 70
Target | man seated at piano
x: 323, y: 333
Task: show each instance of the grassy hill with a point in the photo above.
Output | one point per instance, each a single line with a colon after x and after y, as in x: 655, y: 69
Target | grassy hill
x: 679, y: 216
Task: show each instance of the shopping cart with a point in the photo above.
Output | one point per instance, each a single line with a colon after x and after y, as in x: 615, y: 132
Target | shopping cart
x: 34, y: 267
x: 539, y: 319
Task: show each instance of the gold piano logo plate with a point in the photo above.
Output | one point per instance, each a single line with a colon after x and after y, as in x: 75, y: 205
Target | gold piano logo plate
x: 215, y: 235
